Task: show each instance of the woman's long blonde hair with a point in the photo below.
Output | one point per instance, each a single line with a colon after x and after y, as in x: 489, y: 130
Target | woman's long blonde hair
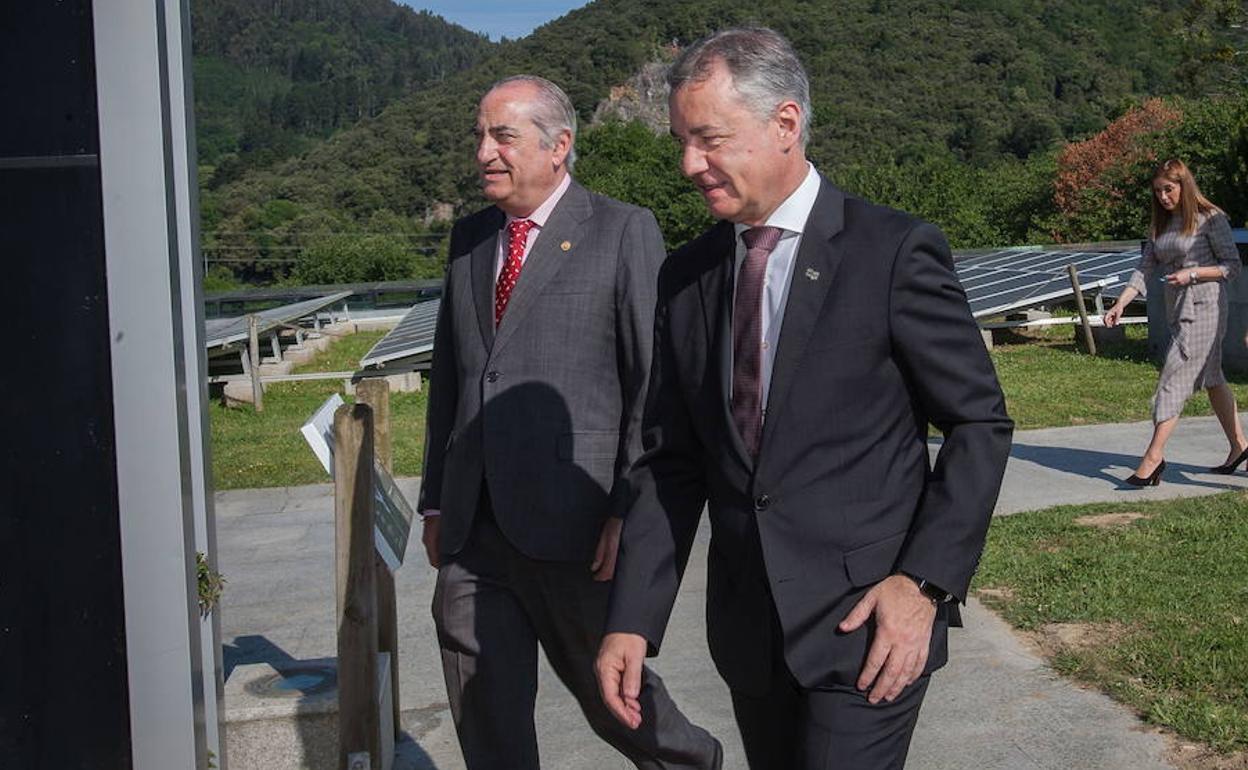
x: 1191, y: 202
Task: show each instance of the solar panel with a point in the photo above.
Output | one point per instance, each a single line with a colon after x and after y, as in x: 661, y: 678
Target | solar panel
x: 223, y: 331
x: 1003, y: 280
x: 412, y: 337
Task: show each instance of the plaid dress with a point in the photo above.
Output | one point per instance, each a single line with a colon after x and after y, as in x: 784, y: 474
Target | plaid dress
x: 1196, y: 313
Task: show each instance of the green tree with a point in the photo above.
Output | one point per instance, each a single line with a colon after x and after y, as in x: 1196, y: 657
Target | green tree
x: 629, y: 162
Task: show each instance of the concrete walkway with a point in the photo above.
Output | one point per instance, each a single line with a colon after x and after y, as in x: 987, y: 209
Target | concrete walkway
x: 996, y: 705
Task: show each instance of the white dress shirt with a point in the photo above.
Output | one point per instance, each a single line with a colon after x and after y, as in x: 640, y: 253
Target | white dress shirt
x: 790, y: 216
x: 538, y: 218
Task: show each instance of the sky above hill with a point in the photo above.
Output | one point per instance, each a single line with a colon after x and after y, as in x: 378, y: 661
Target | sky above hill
x: 497, y: 18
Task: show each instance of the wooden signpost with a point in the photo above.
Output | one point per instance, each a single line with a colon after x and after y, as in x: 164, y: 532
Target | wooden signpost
x: 358, y: 719
x: 372, y: 523
x: 376, y: 393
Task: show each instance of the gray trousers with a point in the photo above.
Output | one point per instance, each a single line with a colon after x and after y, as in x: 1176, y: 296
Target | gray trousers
x: 492, y: 607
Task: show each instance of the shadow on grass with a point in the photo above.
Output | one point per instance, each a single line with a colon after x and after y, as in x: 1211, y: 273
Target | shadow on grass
x: 1093, y: 464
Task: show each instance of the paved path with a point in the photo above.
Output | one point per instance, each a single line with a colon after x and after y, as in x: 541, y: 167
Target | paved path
x: 996, y: 705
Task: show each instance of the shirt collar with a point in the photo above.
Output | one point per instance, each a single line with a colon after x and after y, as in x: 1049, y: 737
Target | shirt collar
x: 542, y: 212
x: 792, y: 213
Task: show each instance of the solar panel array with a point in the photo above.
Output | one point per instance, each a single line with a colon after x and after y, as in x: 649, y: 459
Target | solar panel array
x: 223, y: 331
x: 412, y: 337
x: 995, y: 282
x: 1014, y: 279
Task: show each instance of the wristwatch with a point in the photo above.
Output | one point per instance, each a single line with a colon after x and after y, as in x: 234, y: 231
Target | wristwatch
x: 936, y: 594
x: 1191, y: 276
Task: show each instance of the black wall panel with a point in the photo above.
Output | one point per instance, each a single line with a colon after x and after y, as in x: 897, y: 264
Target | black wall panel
x: 63, y: 683
x: 47, y: 78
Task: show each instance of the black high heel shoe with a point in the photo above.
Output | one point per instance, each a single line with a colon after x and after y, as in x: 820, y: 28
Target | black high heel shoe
x: 1227, y: 469
x: 1151, y: 480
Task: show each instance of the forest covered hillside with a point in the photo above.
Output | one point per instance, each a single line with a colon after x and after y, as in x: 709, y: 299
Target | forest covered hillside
x: 909, y: 97
x: 274, y: 77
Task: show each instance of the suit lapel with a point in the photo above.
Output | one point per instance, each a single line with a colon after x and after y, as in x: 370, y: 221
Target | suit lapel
x: 545, y: 258
x: 484, y: 255
x: 814, y: 270
x: 716, y: 287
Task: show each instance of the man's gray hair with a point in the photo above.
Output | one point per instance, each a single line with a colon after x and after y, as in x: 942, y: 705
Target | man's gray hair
x: 552, y: 112
x: 764, y: 67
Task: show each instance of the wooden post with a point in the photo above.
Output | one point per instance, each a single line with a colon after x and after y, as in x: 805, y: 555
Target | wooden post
x: 375, y: 392
x: 359, y: 727
x: 1083, y: 311
x: 257, y: 389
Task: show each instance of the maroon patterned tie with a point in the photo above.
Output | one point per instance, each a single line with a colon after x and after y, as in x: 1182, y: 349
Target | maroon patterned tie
x: 747, y: 335
x: 517, y: 236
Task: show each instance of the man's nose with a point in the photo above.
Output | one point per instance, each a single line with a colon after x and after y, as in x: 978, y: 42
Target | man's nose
x: 486, y: 149
x: 692, y: 161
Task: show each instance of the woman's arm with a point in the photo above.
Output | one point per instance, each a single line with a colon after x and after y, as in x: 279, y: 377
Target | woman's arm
x: 1113, y: 315
x: 1217, y: 231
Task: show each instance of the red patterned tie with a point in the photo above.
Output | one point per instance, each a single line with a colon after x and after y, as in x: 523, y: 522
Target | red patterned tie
x: 747, y: 335
x: 517, y: 236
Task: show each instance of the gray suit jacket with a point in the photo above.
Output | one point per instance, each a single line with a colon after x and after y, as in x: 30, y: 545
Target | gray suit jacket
x: 546, y: 410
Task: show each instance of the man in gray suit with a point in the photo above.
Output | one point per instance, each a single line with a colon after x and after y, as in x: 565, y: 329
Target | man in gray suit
x: 540, y: 365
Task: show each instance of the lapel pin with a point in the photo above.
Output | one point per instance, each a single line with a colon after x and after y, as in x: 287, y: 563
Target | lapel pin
x: 566, y: 245
x: 812, y: 274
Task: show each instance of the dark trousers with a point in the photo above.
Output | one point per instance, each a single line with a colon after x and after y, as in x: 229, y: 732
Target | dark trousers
x: 493, y: 606
x: 834, y: 728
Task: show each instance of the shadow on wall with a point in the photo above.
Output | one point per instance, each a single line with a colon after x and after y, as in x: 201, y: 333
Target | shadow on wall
x: 285, y: 707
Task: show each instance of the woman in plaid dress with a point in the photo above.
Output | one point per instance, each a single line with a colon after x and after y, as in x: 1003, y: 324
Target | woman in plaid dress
x: 1193, y: 254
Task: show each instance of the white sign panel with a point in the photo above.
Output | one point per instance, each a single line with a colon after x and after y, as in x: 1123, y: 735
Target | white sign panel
x: 392, y: 513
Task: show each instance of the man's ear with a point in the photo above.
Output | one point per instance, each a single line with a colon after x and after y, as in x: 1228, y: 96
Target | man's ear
x: 563, y: 145
x: 789, y: 124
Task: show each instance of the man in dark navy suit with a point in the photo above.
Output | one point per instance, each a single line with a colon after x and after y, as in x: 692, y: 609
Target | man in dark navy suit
x: 802, y: 347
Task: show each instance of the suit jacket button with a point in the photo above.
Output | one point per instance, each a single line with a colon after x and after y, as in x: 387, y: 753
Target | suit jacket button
x: 761, y: 503
x: 492, y: 376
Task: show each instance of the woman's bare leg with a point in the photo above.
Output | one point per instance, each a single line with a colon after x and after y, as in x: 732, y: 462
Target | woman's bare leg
x: 1222, y: 399
x: 1156, y: 451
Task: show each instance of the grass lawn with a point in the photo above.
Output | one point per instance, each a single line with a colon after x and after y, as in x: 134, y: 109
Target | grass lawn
x: 1153, y: 610
x: 1048, y: 383
x: 266, y: 449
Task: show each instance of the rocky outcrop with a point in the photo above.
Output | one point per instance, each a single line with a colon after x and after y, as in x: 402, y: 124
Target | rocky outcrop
x: 643, y: 98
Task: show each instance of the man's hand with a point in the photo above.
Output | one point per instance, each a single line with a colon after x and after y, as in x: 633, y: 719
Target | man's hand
x: 608, y: 546
x: 903, y: 634
x: 619, y: 676
x: 1112, y: 317
x: 429, y: 536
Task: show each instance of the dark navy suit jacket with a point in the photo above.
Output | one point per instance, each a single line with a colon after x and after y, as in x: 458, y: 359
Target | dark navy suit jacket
x: 877, y: 341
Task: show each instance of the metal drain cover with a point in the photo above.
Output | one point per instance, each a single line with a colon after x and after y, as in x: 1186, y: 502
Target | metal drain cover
x: 295, y: 682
